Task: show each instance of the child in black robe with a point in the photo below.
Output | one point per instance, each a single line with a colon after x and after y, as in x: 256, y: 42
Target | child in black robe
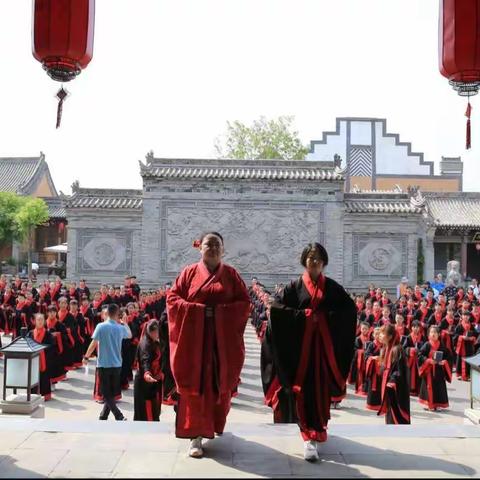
x: 395, y: 382
x: 59, y: 332
x: 372, y: 372
x: 435, y: 372
x: 447, y: 334
x: 148, y: 379
x: 47, y: 357
x: 357, y: 370
x: 464, y: 340
x: 411, y: 345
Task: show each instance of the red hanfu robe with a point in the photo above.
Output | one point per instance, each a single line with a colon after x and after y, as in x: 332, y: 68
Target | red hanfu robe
x: 206, y: 354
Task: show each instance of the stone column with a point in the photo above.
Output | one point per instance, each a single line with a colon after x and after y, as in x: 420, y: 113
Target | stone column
x: 429, y: 254
x: 463, y: 256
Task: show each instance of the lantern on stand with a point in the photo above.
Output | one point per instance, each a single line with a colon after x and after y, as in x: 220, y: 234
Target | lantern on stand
x: 459, y: 45
x: 63, y: 39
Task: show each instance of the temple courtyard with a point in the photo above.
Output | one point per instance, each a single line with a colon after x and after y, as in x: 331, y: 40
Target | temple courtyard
x: 70, y: 442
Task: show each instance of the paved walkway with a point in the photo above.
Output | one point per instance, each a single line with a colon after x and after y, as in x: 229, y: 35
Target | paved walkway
x: 70, y: 442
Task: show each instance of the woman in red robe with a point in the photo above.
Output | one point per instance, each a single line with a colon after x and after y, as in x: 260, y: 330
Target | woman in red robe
x: 207, y: 309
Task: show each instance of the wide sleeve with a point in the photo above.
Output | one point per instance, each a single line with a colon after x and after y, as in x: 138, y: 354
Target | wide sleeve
x: 144, y: 359
x: 342, y: 321
x: 230, y: 322
x: 423, y: 356
x: 287, y: 321
x: 186, y: 322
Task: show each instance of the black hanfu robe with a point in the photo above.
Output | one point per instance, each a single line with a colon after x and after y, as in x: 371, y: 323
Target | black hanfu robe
x: 464, y: 339
x: 47, y: 361
x: 148, y: 396
x: 433, y: 390
x: 59, y: 332
x: 70, y: 348
x: 411, y: 345
x: 373, y: 379
x: 357, y: 370
x: 313, y: 334
x: 395, y: 387
x: 279, y: 399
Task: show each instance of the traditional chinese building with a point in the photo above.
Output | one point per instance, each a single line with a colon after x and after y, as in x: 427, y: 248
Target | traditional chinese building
x: 378, y: 207
x: 31, y: 176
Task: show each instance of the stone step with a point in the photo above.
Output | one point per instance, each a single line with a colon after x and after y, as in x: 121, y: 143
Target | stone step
x: 240, y: 429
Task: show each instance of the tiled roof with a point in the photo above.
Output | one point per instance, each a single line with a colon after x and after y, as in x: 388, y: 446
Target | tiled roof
x: 243, y: 173
x: 227, y: 169
x: 105, y: 199
x: 17, y: 173
x: 460, y: 211
x: 382, y: 207
x: 56, y: 208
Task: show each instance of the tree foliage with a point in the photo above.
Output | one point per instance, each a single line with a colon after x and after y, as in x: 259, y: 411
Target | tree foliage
x: 18, y: 218
x: 32, y: 212
x: 264, y: 139
x: 9, y: 205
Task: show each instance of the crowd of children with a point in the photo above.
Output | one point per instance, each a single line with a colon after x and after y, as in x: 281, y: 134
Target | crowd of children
x: 65, y: 316
x: 404, y: 348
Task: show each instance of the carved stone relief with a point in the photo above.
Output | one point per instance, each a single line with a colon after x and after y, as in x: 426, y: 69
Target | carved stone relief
x: 379, y: 256
x: 104, y: 251
x: 257, y: 240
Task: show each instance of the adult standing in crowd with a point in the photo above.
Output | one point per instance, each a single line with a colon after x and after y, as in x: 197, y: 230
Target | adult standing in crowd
x: 207, y: 309
x: 313, y: 324
x: 107, y: 339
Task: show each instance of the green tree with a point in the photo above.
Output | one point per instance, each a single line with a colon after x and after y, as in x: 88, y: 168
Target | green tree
x: 264, y: 139
x: 9, y: 206
x: 32, y: 212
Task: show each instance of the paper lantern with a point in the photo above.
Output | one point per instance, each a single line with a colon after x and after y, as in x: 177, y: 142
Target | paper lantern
x: 459, y: 49
x: 63, y: 39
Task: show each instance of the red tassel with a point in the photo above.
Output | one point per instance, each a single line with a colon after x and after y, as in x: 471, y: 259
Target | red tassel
x: 469, y: 136
x: 61, y: 95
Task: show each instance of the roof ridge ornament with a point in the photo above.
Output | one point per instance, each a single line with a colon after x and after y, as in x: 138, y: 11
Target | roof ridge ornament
x: 417, y: 200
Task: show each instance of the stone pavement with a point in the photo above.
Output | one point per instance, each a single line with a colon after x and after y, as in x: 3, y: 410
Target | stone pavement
x: 69, y: 442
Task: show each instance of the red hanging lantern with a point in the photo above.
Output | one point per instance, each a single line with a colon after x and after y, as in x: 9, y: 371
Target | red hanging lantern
x: 63, y: 39
x: 459, y: 48
x: 61, y: 227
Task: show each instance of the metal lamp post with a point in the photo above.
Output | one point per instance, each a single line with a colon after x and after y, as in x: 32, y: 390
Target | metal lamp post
x: 21, y: 372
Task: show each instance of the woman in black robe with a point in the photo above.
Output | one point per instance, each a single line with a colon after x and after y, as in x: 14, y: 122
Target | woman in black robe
x: 435, y: 372
x: 312, y: 334
x: 395, y: 379
x: 149, y: 377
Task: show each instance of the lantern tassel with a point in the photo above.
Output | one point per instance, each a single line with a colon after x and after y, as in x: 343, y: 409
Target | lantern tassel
x: 61, y: 95
x: 469, y: 135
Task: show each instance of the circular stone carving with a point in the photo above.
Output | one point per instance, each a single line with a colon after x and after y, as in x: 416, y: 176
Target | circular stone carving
x: 104, y: 254
x: 379, y: 259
